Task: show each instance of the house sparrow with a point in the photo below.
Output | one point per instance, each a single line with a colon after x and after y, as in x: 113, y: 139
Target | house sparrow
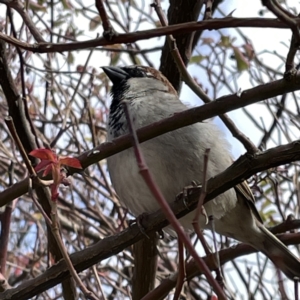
x: 175, y: 159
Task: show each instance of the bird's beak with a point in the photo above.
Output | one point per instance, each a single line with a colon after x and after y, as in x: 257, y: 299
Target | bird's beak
x: 116, y: 75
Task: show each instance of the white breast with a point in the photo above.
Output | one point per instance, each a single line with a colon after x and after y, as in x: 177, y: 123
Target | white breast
x: 175, y: 159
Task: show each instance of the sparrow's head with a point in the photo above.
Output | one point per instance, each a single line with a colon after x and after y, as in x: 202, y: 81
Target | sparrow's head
x: 138, y: 85
x: 136, y: 79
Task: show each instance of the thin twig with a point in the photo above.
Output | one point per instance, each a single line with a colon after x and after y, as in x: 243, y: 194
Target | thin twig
x: 19, y: 7
x: 203, y: 190
x: 290, y: 58
x: 181, y: 119
x: 218, y: 269
x: 68, y: 108
x: 38, y: 205
x: 94, y: 268
x: 181, y: 270
x: 112, y: 245
x: 55, y: 231
x: 10, y: 124
x: 282, y: 14
x: 291, y: 21
x: 5, y: 218
x: 149, y: 180
x: 200, y: 208
x: 188, y: 79
x: 108, y: 30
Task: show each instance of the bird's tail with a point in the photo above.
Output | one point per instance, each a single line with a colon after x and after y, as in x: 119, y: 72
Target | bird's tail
x: 279, y: 254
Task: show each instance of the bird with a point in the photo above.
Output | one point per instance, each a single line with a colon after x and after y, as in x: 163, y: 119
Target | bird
x: 176, y: 159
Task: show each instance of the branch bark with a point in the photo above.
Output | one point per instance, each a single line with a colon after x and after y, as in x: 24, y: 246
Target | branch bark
x: 115, y: 244
x: 132, y: 37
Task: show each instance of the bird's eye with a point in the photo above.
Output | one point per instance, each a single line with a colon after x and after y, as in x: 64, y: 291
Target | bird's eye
x: 138, y: 72
x: 144, y: 72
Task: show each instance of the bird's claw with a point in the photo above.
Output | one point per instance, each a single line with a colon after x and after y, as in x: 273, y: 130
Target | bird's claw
x: 139, y: 221
x: 186, y: 191
x: 204, y: 213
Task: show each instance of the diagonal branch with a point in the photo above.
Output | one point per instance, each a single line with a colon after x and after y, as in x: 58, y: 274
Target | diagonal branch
x: 189, y: 11
x: 115, y: 244
x: 185, y: 118
x: 19, y: 7
x: 108, y: 31
x: 182, y: 236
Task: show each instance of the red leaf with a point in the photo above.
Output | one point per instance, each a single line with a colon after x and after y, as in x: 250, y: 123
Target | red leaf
x: 42, y: 165
x: 48, y: 169
x: 44, y: 154
x: 71, y: 162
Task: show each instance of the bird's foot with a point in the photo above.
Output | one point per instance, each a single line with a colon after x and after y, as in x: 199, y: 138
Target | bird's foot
x: 187, y: 191
x: 140, y: 221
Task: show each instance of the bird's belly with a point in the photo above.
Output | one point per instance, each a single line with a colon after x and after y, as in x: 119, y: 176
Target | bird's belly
x: 136, y: 196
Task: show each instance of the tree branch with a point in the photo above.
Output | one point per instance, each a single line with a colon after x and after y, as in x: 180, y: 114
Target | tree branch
x: 185, y: 118
x: 132, y: 37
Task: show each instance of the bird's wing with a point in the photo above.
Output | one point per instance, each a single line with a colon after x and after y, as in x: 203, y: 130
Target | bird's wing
x: 244, y: 190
